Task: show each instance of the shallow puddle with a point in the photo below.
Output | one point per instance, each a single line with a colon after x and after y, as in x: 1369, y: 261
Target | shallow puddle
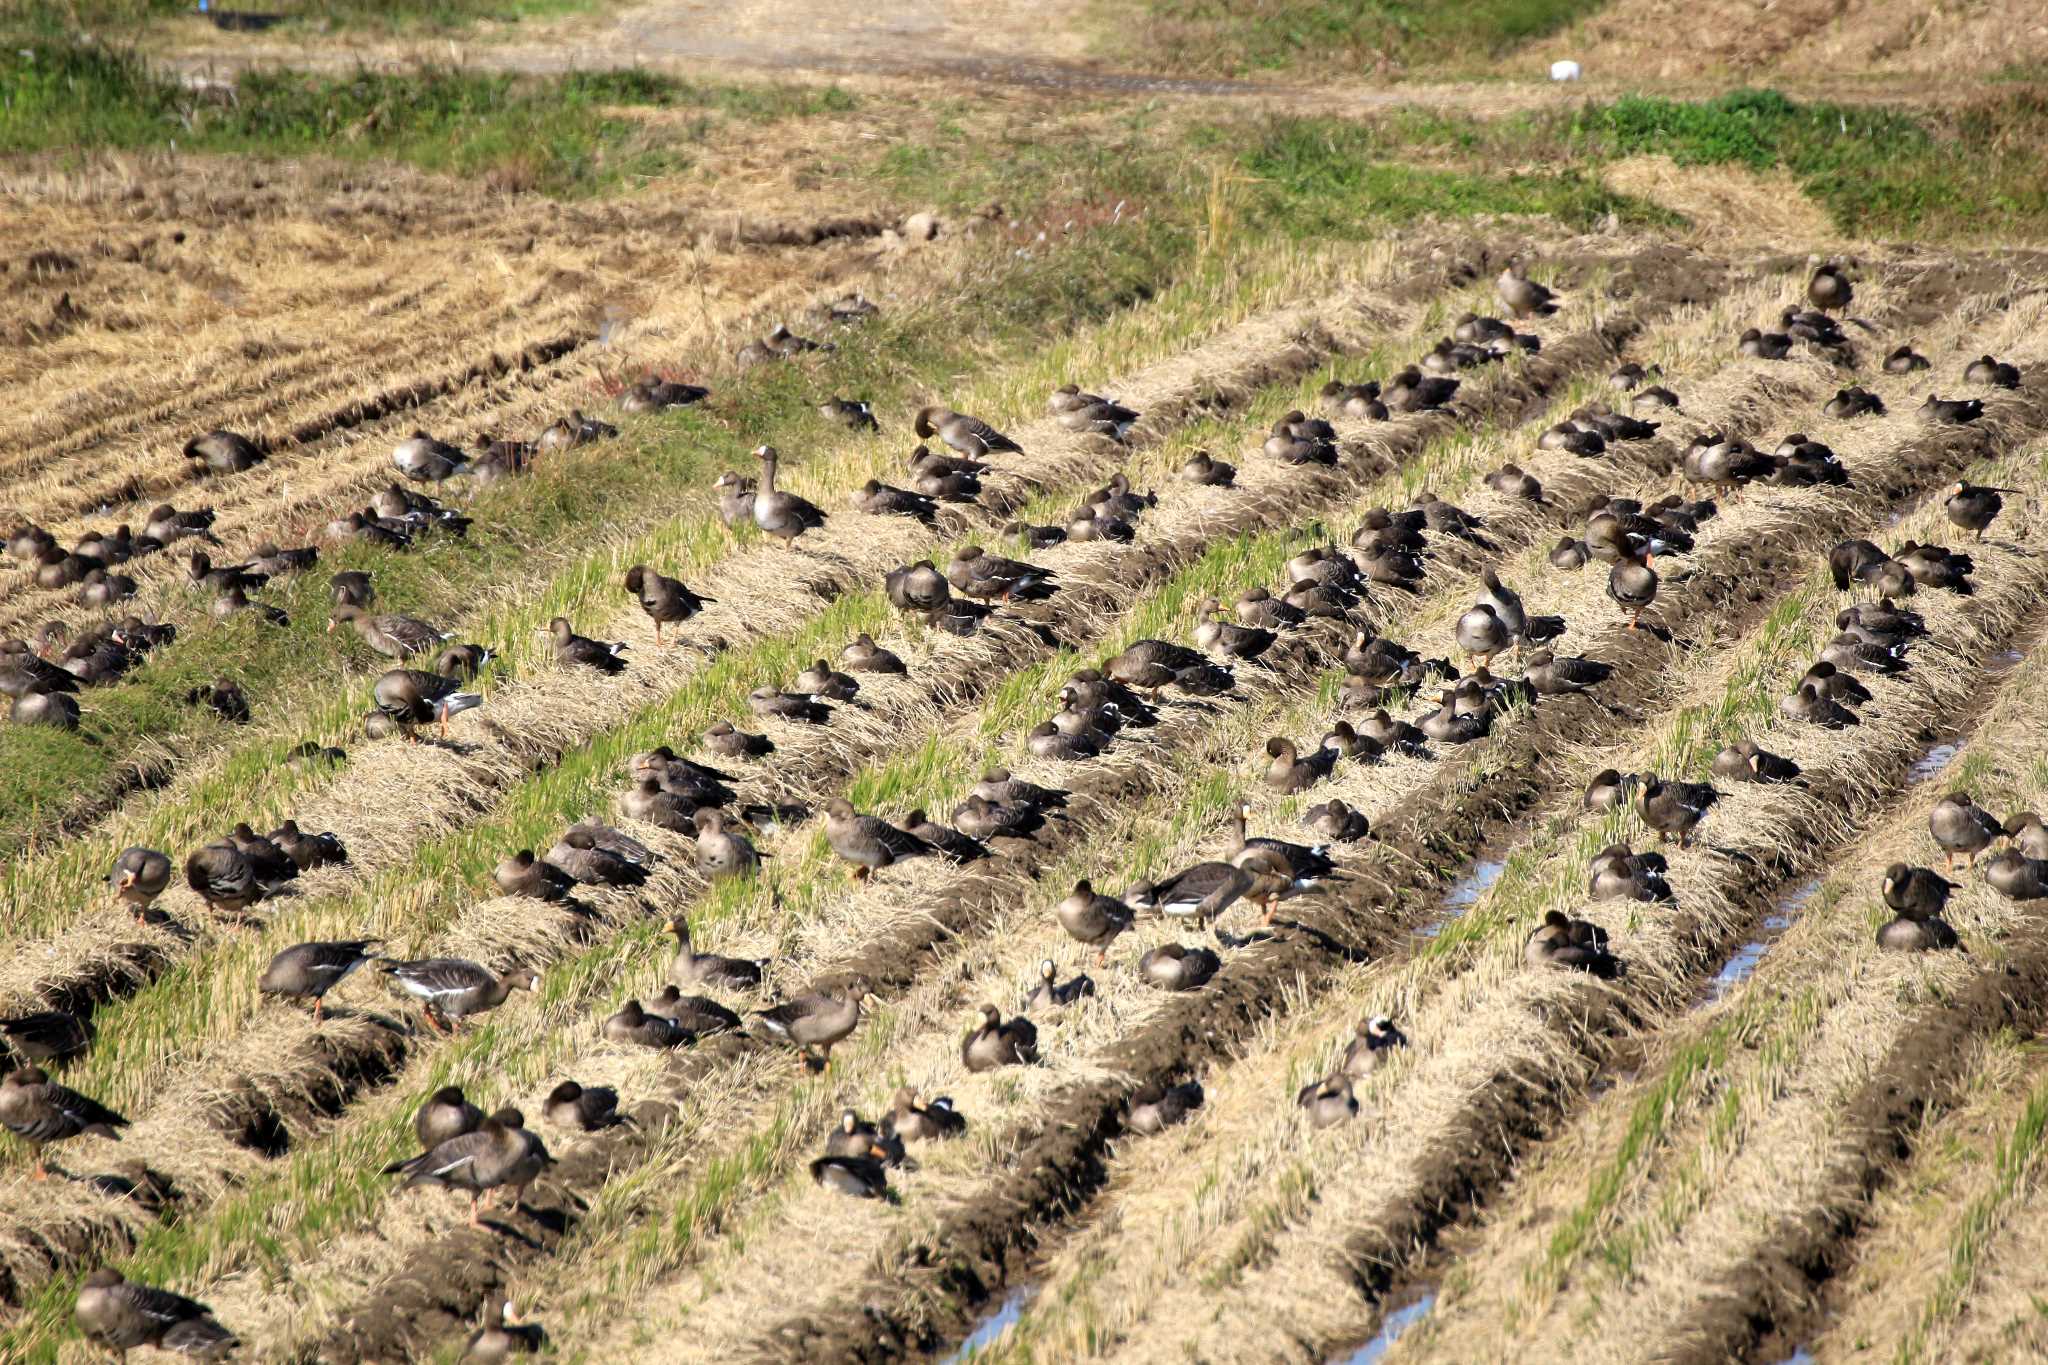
x: 1800, y: 1356
x: 1743, y: 960
x: 1465, y: 892
x: 1391, y: 1328
x: 1931, y: 763
x: 993, y: 1322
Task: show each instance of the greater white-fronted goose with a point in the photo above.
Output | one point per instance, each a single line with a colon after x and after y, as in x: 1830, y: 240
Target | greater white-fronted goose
x: 1328, y: 1101
x: 1375, y: 1040
x: 1052, y: 993
x: 784, y: 516
x: 573, y: 650
x: 700, y: 1014
x: 500, y: 1336
x: 634, y: 1025
x: 1675, y: 809
x: 1561, y: 941
x: 446, y: 1114
x: 665, y: 600
x: 119, y: 1315
x: 1523, y: 296
x: 307, y: 971
x: 970, y: 436
x: 46, y: 1035
x: 997, y: 1042
x: 138, y: 877
x: 587, y: 854
x: 451, y: 989
x: 500, y: 1154
x: 859, y: 1177
x: 720, y: 852
x: 1174, y: 967
x: 886, y: 500
x: 393, y: 635
x: 39, y: 1111
x: 224, y: 878
x: 1153, y: 1108
x: 868, y: 842
x: 411, y: 698
x: 693, y: 968
x: 522, y: 874
x: 423, y: 459
x: 1093, y: 919
x: 816, y: 1021
x: 929, y: 1122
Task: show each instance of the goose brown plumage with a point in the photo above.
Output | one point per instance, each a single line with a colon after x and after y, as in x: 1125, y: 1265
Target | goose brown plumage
x: 120, y: 1314
x: 39, y: 1111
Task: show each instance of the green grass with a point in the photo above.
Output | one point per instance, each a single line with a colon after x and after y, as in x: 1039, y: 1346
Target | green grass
x: 1326, y: 37
x: 560, y: 135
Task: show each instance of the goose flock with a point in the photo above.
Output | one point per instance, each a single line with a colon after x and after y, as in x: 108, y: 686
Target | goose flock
x: 494, y: 1155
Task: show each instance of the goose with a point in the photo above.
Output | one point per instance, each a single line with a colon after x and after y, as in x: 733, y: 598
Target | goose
x: 307, y: 971
x: 1936, y: 566
x: 224, y: 878
x: 1001, y: 786
x: 815, y: 1021
x: 1561, y: 941
x: 1345, y: 741
x: 955, y: 847
x: 1093, y: 919
x: 721, y: 853
x: 970, y: 436
x: 735, y: 495
x: 1616, y: 873
x: 852, y: 413
x: 855, y: 1136
x: 1761, y: 345
x: 1655, y: 398
x: 692, y: 968
x: 567, y: 433
x: 768, y: 702
x: 451, y: 989
x: 1973, y: 507
x: 462, y: 662
x: 1336, y: 822
x: 39, y: 1111
x: 167, y: 525
x: 1450, y: 725
x: 1288, y: 772
x: 886, y: 500
x: 860, y: 1177
x: 974, y: 572
x: 1374, y: 1042
x: 1916, y: 892
x: 119, y: 1315
x: 583, y: 1108
x: 1173, y: 967
x: 138, y: 877
x: 423, y: 459
x: 1551, y: 676
x: 863, y: 655
x: 659, y: 395
x: 1205, y: 471
x: 500, y: 1154
x: 1304, y: 865
x: 103, y: 589
x: 499, y: 1336
x: 1829, y: 289
x: 997, y: 1042
x: 700, y: 1014
x: 646, y: 802
x: 1951, y: 411
x: 394, y: 636
x: 1572, y: 439
x: 2029, y: 833
x: 222, y: 578
x: 446, y: 1114
x: 1227, y: 637
x: 1481, y: 634
x: 223, y: 452
x: 868, y: 842
x: 1746, y: 761
x: 1153, y: 1108
x: 2016, y: 876
x: 1523, y: 296
x: 784, y: 516
x: 573, y: 650
x: 1854, y: 401
x: 1510, y: 481
x: 932, y: 1121
x: 1905, y: 360
x: 1052, y: 993
x: 1045, y: 740
x: 411, y: 698
x: 575, y: 858
x: 1632, y: 583
x: 1202, y: 892
x: 665, y: 600
x: 980, y: 818
x: 1996, y: 373
x: 46, y: 1035
x: 1393, y: 735
x: 943, y: 480
x: 1259, y: 608
x: 1810, y: 704
x: 1675, y: 808
x: 633, y: 1025
x: 1328, y: 1101
x: 1034, y: 537
x: 1836, y: 684
x: 822, y: 680
x: 729, y: 741
x: 357, y: 527
x: 918, y: 588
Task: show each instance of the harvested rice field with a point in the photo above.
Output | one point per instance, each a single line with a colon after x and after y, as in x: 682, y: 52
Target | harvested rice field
x: 670, y: 715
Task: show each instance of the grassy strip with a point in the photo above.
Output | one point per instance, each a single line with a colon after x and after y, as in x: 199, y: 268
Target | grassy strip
x: 1333, y: 37
x: 559, y: 135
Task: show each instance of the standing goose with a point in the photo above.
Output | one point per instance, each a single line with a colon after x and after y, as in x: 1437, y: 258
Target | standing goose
x: 918, y: 588
x: 140, y: 875
x: 665, y: 600
x: 1675, y: 808
x: 39, y: 1111
x: 869, y: 842
x: 224, y: 878
x: 996, y: 1043
x: 307, y: 971
x: 1481, y: 635
x: 1632, y: 583
x: 1202, y: 892
x: 693, y: 968
x: 120, y: 1315
x: 1522, y: 295
x: 815, y: 1021
x: 572, y: 649
x: 223, y: 452
x: 412, y: 698
x: 782, y: 515
x: 1916, y: 892
x: 392, y: 635
x: 1962, y: 826
x: 1973, y: 507
x: 423, y: 459
x: 500, y: 1154
x: 1092, y: 919
x: 453, y: 988
x: 970, y: 436
x: 1305, y: 866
